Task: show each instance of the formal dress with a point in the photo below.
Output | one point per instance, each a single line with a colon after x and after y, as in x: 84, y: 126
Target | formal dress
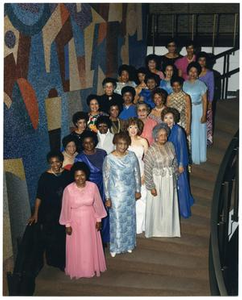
x: 105, y: 141
x: 146, y: 95
x: 162, y: 212
x: 121, y: 180
x: 81, y: 209
x: 95, y: 164
x: 167, y: 60
x: 128, y: 112
x: 147, y: 130
x: 91, y: 123
x: 106, y: 101
x: 50, y: 190
x: 140, y: 203
x: 178, y: 138
x: 68, y: 160
x: 166, y: 85
x: 198, y: 130
x: 208, y: 79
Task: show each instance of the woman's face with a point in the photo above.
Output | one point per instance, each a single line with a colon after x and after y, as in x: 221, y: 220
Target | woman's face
x: 109, y: 88
x: 71, y: 148
x: 114, y: 111
x: 151, y: 83
x: 161, y: 137
x: 133, y: 130
x: 141, y: 77
x: 176, y: 87
x: 202, y: 62
x: 169, y: 71
x: 55, y: 164
x: 193, y: 74
x: 80, y: 177
x: 124, y: 76
x: 190, y: 50
x: 169, y: 119
x: 158, y: 100
x: 94, y: 106
x: 171, y: 47
x: 121, y: 146
x: 81, y: 124
x: 103, y: 128
x: 152, y: 65
x: 142, y: 112
x: 128, y: 98
x: 88, y: 144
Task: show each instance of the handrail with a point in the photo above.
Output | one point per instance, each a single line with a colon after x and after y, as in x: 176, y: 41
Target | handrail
x: 216, y: 254
x: 229, y: 74
x: 227, y: 52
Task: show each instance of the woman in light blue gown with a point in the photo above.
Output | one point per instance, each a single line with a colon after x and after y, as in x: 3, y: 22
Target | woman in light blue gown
x: 197, y: 90
x: 121, y: 176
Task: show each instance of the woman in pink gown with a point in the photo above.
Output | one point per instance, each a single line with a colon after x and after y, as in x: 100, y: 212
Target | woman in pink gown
x: 82, y: 211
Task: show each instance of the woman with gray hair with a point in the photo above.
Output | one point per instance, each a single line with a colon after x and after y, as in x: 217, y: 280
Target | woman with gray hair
x: 161, y: 170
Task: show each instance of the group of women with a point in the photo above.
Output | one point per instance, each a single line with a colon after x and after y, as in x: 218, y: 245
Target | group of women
x: 123, y: 170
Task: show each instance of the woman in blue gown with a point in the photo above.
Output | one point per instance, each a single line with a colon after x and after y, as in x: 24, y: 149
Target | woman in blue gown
x: 178, y: 137
x: 121, y: 175
x: 94, y: 158
x: 197, y: 90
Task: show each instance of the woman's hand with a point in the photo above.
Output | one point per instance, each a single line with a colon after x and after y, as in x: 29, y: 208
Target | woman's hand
x: 153, y: 192
x: 203, y: 119
x: 68, y: 230
x: 98, y: 226
x: 33, y: 219
x: 137, y: 196
x: 181, y: 169
x: 108, y: 203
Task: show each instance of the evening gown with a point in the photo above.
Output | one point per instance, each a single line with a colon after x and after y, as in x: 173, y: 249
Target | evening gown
x: 121, y: 177
x: 81, y: 209
x: 140, y: 203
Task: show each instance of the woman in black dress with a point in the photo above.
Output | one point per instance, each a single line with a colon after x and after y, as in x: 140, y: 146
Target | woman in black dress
x: 48, y: 207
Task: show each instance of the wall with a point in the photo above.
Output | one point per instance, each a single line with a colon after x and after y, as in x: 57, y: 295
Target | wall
x: 54, y: 56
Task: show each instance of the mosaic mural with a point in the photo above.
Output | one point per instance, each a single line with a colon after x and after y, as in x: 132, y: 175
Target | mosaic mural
x: 54, y: 56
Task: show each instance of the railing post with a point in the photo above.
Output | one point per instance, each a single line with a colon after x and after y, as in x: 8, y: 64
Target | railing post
x: 236, y: 189
x: 214, y: 29
x: 154, y: 32
x: 235, y: 29
x: 227, y: 78
x: 193, y: 19
x: 172, y: 28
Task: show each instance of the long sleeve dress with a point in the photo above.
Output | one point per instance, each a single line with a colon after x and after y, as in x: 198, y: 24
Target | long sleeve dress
x: 198, y: 130
x: 178, y: 138
x: 121, y: 177
x: 81, y: 209
x: 95, y: 164
x: 208, y: 79
x: 162, y: 212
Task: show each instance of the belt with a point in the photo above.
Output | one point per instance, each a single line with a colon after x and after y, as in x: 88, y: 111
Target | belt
x: 197, y: 103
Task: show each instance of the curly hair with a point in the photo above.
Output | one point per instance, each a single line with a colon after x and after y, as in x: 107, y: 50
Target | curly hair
x: 122, y: 136
x: 144, y: 104
x: 103, y: 120
x: 158, y: 127
x: 177, y: 79
x: 54, y: 153
x: 80, y: 166
x: 135, y: 121
x: 194, y: 65
x: 160, y: 92
x: 173, y: 111
x: 92, y: 97
x: 90, y: 134
x: 69, y: 138
x: 80, y: 115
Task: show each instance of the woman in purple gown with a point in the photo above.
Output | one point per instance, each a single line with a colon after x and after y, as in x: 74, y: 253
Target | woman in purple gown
x: 94, y: 159
x: 178, y: 137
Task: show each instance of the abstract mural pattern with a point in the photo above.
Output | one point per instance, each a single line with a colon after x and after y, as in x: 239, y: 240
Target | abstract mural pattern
x: 55, y: 55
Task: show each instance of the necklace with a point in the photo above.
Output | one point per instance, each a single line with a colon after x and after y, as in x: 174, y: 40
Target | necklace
x: 56, y: 174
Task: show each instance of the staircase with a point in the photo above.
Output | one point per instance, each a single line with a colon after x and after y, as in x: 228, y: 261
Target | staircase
x: 161, y: 266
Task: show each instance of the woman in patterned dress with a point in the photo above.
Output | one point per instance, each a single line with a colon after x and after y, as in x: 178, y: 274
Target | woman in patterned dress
x: 159, y: 97
x: 121, y: 177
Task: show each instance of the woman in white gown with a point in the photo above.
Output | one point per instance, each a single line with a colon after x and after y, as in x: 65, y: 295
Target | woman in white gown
x: 139, y: 146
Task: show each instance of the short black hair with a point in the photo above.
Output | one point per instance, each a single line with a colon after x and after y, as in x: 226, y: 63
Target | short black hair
x: 80, y: 115
x: 171, y: 40
x: 142, y: 70
x: 152, y: 57
x: 80, y: 166
x: 175, y: 71
x: 177, y: 79
x: 54, y: 153
x: 128, y: 89
x: 69, y: 138
x: 194, y: 65
x: 122, y: 136
x: 123, y: 68
x: 91, y: 97
x: 163, y: 93
x: 202, y: 54
x: 103, y: 120
x: 171, y: 110
x: 109, y: 80
x: 152, y: 76
x: 90, y: 134
x: 190, y: 43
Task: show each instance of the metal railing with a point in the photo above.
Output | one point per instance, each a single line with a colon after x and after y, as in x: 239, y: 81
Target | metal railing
x: 211, y: 27
x: 223, y: 250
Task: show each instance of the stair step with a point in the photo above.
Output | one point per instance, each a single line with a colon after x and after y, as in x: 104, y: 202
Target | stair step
x: 204, y: 184
x: 200, y: 192
x: 201, y: 210
x: 196, y: 225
